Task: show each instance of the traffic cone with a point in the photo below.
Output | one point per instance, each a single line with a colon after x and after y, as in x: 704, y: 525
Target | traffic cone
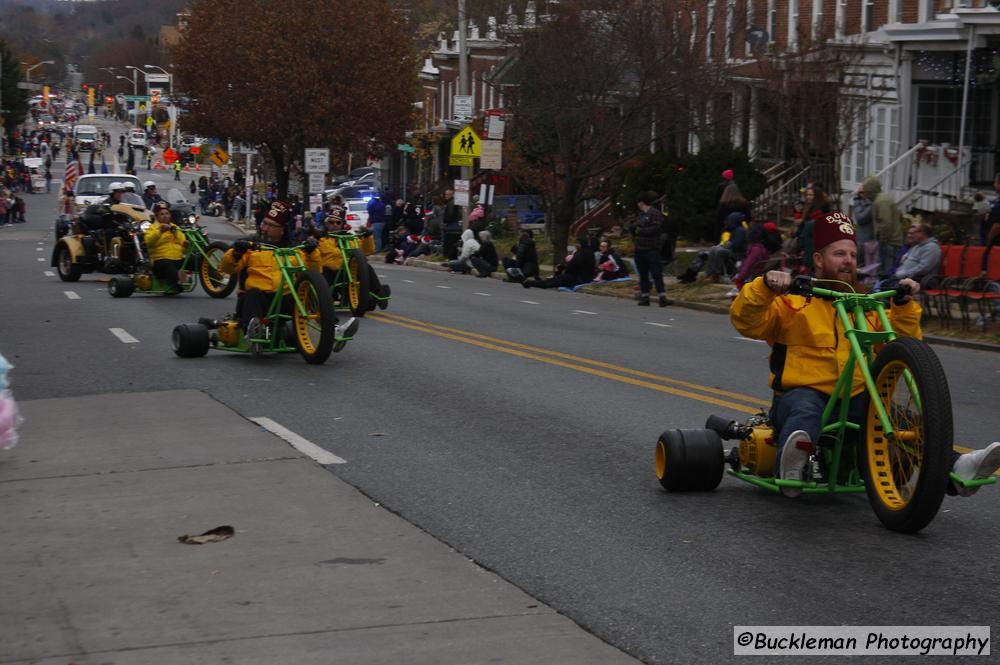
x: 196, y: 167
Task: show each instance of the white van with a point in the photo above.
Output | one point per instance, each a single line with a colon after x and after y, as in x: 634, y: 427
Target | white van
x: 137, y: 138
x: 86, y: 138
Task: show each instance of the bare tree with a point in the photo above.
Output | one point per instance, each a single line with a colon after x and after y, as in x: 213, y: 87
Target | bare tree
x: 597, y: 84
x: 319, y: 74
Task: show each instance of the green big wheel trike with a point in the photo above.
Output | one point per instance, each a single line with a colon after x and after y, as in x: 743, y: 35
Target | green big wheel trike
x: 200, y: 263
x: 352, y: 287
x: 900, y: 455
x: 311, y: 328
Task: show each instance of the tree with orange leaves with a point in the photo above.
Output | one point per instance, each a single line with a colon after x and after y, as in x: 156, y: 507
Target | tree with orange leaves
x: 291, y: 76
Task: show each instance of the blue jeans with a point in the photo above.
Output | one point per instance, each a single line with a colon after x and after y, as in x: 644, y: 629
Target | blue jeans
x: 377, y: 228
x: 802, y: 409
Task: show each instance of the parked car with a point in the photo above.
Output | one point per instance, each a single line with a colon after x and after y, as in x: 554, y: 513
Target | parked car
x: 348, y: 193
x: 357, y: 213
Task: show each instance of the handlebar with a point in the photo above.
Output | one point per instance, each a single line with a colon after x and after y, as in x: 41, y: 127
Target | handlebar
x: 803, y: 285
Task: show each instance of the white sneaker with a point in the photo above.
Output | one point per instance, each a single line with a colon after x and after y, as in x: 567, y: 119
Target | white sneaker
x: 346, y: 329
x: 975, y: 465
x: 794, y: 458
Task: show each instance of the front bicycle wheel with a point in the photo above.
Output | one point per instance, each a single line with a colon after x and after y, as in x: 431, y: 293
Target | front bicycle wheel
x: 315, y: 321
x: 216, y: 283
x: 906, y: 475
x: 357, y: 291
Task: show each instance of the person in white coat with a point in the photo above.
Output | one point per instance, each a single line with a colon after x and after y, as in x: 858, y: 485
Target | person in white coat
x: 470, y: 246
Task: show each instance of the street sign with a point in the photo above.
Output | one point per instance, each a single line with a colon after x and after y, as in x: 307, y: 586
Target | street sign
x: 492, y: 157
x: 219, y: 156
x: 486, y: 194
x: 462, y: 107
x: 317, y: 160
x: 244, y: 149
x: 462, y: 192
x: 195, y: 150
x: 170, y: 155
x: 137, y: 98
x: 157, y: 78
x: 494, y: 127
x: 316, y: 182
x: 465, y: 143
x: 405, y: 147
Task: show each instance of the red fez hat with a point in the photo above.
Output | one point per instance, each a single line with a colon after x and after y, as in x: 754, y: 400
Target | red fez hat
x: 831, y: 228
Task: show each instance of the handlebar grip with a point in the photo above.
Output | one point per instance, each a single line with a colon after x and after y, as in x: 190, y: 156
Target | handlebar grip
x: 802, y: 286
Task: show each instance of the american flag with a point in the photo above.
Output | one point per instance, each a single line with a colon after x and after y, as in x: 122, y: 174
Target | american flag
x: 73, y: 169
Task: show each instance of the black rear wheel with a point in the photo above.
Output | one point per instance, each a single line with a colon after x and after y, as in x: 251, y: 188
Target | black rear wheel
x: 906, y: 475
x: 121, y: 286
x: 68, y: 271
x: 316, y: 321
x: 190, y: 340
x: 689, y: 460
x: 216, y: 284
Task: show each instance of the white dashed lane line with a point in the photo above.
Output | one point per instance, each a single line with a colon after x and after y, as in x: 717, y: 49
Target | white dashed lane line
x: 658, y: 325
x: 123, y: 336
x: 747, y: 339
x: 38, y: 249
x: 41, y: 258
x: 409, y: 281
x: 304, y: 446
x: 441, y: 286
x: 49, y: 273
x: 72, y: 295
x: 528, y: 302
x: 583, y: 311
x: 482, y: 294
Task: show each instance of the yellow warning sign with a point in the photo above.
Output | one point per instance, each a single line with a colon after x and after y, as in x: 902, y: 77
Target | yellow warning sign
x: 466, y: 143
x: 219, y: 156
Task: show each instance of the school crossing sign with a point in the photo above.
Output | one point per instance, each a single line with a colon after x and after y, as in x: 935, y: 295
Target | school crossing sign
x: 465, y: 146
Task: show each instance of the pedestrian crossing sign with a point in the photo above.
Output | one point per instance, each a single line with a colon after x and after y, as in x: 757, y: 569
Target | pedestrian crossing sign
x: 466, y: 143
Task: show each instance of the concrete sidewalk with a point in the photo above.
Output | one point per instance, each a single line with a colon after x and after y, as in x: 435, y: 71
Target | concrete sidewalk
x: 100, y: 488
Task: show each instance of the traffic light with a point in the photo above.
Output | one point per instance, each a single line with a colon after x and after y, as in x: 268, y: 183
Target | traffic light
x: 85, y: 87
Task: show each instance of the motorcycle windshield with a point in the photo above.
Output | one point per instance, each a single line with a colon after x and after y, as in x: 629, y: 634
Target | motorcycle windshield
x: 133, y: 199
x: 175, y: 196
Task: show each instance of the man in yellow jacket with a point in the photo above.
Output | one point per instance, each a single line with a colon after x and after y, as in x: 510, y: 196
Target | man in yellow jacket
x: 809, y: 348
x: 166, y: 244
x: 260, y: 275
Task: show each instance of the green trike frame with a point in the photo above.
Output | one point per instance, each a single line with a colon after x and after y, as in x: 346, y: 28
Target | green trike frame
x: 351, y: 287
x: 309, y: 330
x: 900, y: 455
x: 200, y: 262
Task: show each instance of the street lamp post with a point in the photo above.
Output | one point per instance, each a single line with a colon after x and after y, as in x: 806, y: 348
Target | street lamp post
x: 27, y: 72
x: 135, y: 88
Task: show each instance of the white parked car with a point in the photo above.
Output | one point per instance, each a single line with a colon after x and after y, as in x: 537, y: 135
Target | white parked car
x: 357, y: 213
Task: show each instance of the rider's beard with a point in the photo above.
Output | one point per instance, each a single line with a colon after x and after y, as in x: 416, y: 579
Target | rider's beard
x: 843, y: 279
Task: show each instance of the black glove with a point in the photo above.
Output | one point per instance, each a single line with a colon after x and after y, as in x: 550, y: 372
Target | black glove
x: 310, y: 245
x: 240, y: 247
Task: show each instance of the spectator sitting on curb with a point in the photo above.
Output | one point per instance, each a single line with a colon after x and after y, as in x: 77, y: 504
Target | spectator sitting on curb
x: 523, y: 262
x: 609, y: 264
x: 469, y: 246
x: 732, y: 245
x: 579, y: 268
x: 764, y: 241
x: 485, y: 261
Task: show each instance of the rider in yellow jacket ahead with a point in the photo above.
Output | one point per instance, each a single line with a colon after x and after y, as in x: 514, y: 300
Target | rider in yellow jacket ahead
x: 809, y: 349
x: 166, y: 244
x: 260, y: 275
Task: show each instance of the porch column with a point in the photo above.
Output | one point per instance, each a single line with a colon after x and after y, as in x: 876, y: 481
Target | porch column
x: 736, y: 127
x: 752, y: 123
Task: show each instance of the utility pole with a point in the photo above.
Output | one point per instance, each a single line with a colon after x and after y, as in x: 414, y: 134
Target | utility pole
x: 463, y: 82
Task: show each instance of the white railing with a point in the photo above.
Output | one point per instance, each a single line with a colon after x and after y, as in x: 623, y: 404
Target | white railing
x: 942, y: 194
x: 901, y: 176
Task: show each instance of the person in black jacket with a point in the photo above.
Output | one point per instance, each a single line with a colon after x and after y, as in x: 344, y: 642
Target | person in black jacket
x: 523, y: 262
x: 609, y: 264
x: 485, y: 261
x: 578, y: 269
x: 648, y: 232
x: 451, y: 225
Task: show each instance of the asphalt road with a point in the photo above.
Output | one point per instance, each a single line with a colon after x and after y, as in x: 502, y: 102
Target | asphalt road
x: 518, y: 426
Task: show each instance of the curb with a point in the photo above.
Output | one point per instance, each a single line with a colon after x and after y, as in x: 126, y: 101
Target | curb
x: 721, y: 309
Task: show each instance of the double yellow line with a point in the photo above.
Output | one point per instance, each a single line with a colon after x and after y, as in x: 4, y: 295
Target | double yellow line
x: 664, y: 384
